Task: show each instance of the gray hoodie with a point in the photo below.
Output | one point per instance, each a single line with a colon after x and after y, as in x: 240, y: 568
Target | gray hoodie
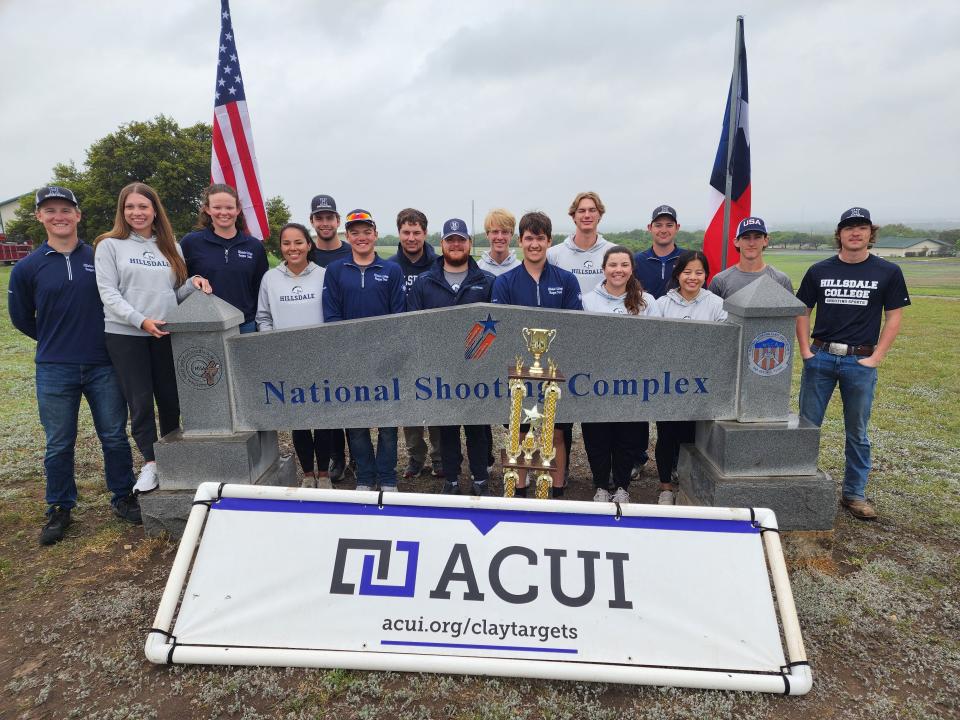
x: 135, y: 282
x: 599, y: 300
x: 705, y: 306
x: 587, y: 264
x: 486, y: 262
x: 287, y: 300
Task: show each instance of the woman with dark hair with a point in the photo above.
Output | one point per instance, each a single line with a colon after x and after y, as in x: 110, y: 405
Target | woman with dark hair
x: 290, y: 296
x: 610, y: 445
x: 222, y: 251
x: 686, y: 299
x: 141, y: 276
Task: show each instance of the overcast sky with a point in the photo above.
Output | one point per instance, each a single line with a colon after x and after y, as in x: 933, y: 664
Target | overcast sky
x: 435, y: 104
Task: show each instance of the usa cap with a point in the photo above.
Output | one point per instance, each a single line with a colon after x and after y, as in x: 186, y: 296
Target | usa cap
x: 455, y: 226
x: 751, y: 224
x: 55, y: 192
x: 323, y: 203
x: 359, y: 216
x: 663, y: 210
x: 855, y: 216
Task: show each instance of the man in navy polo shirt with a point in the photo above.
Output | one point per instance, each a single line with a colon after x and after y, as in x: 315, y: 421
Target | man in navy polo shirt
x: 53, y: 298
x: 537, y: 283
x: 654, y: 266
x: 851, y: 291
x: 363, y: 286
x: 456, y: 279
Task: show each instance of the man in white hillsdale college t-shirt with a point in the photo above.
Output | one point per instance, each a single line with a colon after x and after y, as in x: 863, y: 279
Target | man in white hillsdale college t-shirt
x: 582, y: 252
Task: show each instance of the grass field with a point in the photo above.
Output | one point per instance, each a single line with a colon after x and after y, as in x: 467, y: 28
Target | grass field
x: 880, y: 612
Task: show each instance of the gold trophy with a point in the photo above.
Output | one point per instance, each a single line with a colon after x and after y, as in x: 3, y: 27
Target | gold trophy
x: 535, y: 455
x: 538, y: 342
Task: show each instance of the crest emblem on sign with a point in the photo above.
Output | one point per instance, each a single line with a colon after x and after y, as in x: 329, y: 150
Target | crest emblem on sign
x: 768, y: 353
x: 480, y: 338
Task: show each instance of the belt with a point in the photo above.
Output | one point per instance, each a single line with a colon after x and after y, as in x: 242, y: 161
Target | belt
x: 843, y: 349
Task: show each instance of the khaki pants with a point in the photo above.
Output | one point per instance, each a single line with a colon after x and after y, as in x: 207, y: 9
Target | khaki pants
x: 417, y: 446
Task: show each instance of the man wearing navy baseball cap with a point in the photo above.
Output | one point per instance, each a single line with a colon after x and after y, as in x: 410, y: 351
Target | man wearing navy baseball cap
x: 752, y: 239
x: 53, y: 298
x: 653, y: 267
x: 852, y: 292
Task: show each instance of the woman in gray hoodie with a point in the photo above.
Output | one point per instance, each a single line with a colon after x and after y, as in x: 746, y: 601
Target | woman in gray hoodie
x: 614, y: 446
x: 142, y: 276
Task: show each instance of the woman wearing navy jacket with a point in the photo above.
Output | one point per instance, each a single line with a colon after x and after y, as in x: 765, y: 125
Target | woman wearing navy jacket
x: 221, y: 251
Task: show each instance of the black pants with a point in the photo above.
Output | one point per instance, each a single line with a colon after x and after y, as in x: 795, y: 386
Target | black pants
x: 670, y: 435
x: 491, y: 460
x: 338, y: 445
x: 477, y: 451
x: 310, y: 444
x: 643, y: 441
x: 144, y: 367
x: 611, y: 446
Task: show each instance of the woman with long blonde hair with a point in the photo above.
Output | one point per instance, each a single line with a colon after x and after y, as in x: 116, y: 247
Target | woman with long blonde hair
x: 142, y: 276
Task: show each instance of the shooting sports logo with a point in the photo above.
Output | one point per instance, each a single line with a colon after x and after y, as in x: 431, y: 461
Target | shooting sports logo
x: 767, y: 354
x: 480, y: 338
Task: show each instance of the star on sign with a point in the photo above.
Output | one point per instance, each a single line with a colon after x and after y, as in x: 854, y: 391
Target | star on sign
x: 489, y: 325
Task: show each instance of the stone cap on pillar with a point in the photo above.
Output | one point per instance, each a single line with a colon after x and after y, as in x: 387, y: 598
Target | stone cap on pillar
x: 764, y: 297
x: 203, y: 313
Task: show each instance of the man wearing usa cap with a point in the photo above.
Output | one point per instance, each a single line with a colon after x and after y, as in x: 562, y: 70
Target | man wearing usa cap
x: 456, y: 279
x: 362, y: 286
x: 751, y: 241
x: 654, y: 266
x: 53, y: 298
x: 327, y: 248
x: 851, y: 292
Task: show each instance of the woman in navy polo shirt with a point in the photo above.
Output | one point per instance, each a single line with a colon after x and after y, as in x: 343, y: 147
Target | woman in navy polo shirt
x: 221, y: 251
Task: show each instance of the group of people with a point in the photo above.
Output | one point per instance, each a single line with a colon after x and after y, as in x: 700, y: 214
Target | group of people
x: 98, y: 312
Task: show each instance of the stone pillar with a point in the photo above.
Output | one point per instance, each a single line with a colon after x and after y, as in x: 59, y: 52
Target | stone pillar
x: 767, y: 457
x: 207, y: 448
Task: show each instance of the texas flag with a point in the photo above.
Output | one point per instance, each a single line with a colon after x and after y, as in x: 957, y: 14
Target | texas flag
x: 739, y: 167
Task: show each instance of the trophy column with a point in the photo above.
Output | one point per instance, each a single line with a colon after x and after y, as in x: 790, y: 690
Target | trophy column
x: 535, y: 454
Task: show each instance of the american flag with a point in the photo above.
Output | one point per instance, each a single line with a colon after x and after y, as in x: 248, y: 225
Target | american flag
x: 233, y: 160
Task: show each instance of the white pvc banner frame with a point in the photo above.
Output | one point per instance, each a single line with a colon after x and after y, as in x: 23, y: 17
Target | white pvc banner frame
x: 643, y: 594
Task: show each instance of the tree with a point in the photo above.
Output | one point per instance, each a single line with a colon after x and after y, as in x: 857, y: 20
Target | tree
x: 951, y: 237
x: 173, y: 160
x: 278, y: 215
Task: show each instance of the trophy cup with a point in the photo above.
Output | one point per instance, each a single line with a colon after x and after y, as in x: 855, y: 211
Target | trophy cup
x: 533, y: 456
x: 538, y: 342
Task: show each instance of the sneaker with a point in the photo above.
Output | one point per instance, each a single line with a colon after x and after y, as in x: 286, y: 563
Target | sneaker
x: 601, y: 495
x: 666, y: 497
x: 364, y: 488
x: 324, y: 483
x: 480, y: 489
x: 450, y: 488
x: 621, y: 496
x: 147, y: 479
x: 58, y: 520
x: 389, y: 488
x: 860, y: 509
x: 309, y: 481
x: 413, y: 470
x: 437, y: 471
x: 637, y: 471
x: 128, y: 508
x: 337, y: 467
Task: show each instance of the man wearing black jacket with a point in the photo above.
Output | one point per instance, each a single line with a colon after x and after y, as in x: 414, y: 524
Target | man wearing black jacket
x: 456, y: 279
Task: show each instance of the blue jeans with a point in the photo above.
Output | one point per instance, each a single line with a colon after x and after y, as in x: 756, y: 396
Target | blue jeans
x: 248, y: 327
x: 59, y: 388
x: 371, y: 469
x: 821, y: 374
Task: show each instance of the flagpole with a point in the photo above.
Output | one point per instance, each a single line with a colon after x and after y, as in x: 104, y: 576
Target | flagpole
x: 733, y: 114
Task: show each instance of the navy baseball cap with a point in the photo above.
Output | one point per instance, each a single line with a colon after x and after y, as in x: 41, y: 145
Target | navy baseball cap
x: 455, y: 226
x: 855, y: 216
x: 751, y: 224
x: 55, y: 192
x: 663, y: 210
x: 323, y: 203
x: 359, y: 216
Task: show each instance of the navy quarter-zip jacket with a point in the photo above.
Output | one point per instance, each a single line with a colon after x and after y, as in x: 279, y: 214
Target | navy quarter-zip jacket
x: 556, y: 289
x: 234, y: 267
x: 654, y: 271
x: 352, y: 291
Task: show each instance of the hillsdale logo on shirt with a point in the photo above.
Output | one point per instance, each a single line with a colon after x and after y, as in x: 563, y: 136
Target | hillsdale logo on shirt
x: 149, y: 260
x: 89, y: 268
x: 245, y: 254
x: 555, y: 291
x: 381, y: 277
x: 297, y: 295
x: 587, y: 269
